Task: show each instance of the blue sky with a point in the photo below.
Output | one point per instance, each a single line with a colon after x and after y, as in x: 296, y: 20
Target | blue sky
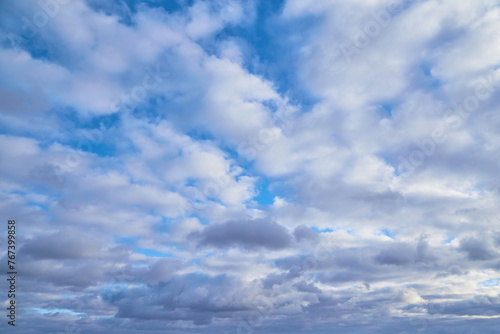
x: 250, y: 166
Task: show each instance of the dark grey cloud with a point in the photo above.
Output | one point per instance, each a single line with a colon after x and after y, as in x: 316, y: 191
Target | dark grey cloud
x: 401, y: 254
x: 195, y: 298
x: 453, y: 270
x: 477, y: 249
x: 479, y: 306
x: 66, y: 244
x: 249, y: 234
x: 307, y: 287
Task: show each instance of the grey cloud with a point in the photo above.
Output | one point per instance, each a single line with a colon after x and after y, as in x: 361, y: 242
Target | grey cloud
x: 302, y: 286
x: 477, y: 249
x: 496, y: 238
x: 249, y: 234
x: 278, y: 279
x: 453, y: 270
x: 193, y: 297
x: 480, y: 305
x: 67, y: 244
x: 303, y: 232
x: 401, y: 254
x: 79, y: 275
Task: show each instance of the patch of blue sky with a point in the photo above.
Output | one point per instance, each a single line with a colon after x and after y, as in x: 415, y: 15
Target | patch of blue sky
x: 449, y: 240
x: 127, y: 241
x: 201, y: 134
x: 29, y: 40
x: 391, y: 159
x: 53, y: 311
x: 152, y: 252
x: 388, y: 158
x: 39, y: 206
x: 103, y: 121
x: 126, y: 9
x: 490, y: 283
x: 115, y: 286
x: 156, y: 213
x: 387, y: 233
x: 243, y: 161
x: 190, y: 182
x: 265, y: 197
x: 269, y: 39
x: 82, y: 144
x: 168, y: 5
x: 149, y: 108
x: 323, y: 230
x: 113, y: 293
x: 427, y: 80
x: 161, y: 227
x: 18, y: 192
x: 387, y: 109
x: 85, y: 134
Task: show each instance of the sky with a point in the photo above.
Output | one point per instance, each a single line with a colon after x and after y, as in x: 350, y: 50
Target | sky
x: 251, y: 166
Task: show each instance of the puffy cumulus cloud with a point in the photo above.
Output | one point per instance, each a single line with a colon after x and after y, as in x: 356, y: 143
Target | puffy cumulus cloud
x: 242, y: 166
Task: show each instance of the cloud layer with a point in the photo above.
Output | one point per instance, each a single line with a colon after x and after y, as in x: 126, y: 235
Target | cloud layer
x: 252, y: 166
